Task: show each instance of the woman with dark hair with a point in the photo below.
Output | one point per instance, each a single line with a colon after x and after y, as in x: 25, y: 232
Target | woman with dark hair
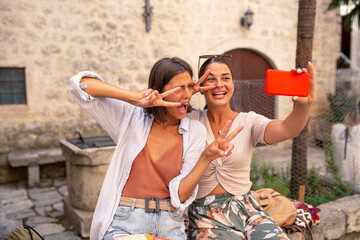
x: 225, y: 207
x: 159, y: 157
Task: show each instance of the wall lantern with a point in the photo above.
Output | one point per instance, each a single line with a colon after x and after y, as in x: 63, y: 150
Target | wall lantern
x: 247, y: 20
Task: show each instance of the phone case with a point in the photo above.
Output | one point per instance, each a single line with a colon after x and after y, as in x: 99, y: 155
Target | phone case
x: 278, y: 82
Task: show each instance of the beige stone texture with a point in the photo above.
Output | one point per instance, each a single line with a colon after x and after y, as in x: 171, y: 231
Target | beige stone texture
x: 80, y: 220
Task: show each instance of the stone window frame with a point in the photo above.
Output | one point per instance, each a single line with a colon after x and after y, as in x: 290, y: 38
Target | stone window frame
x: 13, y: 83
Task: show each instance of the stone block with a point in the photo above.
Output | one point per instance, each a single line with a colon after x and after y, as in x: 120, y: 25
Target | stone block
x: 333, y: 222
x: 2, y: 212
x: 56, y: 214
x: 348, y: 163
x: 59, y: 206
x: 41, y: 194
x: 43, y: 211
x: 297, y: 236
x: 35, y: 157
x: 84, y: 184
x: 351, y: 236
x: 12, y: 195
x: 353, y: 213
x: 63, y: 190
x: 18, y: 206
x: 35, y: 192
x: 318, y: 232
x: 49, y: 229
x: 32, y: 159
x: 33, y: 175
x: 87, y: 157
x: 317, y: 235
x: 80, y: 220
x: 47, y: 202
x: 351, y: 207
x: 37, y: 220
x: 21, y: 214
x: 32, y: 127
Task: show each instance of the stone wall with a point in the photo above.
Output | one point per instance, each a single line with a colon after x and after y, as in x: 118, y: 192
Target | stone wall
x: 56, y: 39
x: 325, y: 52
x: 339, y: 219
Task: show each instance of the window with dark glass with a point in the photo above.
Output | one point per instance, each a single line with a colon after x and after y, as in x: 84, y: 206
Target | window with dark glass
x: 12, y: 86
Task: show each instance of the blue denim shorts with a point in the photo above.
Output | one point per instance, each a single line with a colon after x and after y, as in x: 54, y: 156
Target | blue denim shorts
x: 132, y: 220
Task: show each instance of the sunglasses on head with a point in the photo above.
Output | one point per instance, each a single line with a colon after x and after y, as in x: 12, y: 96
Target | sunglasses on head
x: 225, y: 57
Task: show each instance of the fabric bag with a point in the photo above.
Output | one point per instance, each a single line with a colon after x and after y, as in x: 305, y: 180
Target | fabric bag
x: 23, y: 233
x: 279, y: 207
x: 305, y: 219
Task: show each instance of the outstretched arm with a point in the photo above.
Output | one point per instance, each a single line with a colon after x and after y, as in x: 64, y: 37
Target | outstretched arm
x: 281, y: 130
x: 221, y: 147
x: 145, y: 98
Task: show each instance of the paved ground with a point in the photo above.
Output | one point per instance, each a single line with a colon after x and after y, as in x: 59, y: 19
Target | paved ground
x: 41, y: 208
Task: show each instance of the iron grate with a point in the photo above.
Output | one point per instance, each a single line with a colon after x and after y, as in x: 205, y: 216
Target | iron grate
x: 92, y: 142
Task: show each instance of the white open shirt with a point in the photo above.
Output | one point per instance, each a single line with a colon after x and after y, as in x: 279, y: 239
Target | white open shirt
x: 129, y: 127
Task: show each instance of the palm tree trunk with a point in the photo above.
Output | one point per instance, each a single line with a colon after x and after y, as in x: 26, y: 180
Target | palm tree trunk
x: 305, y: 34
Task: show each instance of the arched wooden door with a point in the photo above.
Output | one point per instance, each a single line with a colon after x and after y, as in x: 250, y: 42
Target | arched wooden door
x: 249, y: 69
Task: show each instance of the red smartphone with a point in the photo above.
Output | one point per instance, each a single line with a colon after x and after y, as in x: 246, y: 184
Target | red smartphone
x: 288, y: 83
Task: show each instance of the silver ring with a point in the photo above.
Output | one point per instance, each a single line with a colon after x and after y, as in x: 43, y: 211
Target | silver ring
x: 219, y: 133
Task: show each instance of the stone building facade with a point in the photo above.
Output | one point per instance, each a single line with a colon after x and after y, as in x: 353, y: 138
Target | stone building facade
x: 55, y: 39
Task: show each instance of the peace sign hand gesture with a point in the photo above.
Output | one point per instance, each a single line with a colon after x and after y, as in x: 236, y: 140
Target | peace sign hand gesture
x: 152, y: 98
x: 197, y: 85
x: 222, y: 147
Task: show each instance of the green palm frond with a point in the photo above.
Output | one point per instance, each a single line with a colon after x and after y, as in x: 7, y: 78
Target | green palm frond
x: 337, y: 3
x: 350, y: 16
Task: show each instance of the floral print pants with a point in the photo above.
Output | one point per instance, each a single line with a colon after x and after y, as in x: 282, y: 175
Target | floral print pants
x: 231, y: 217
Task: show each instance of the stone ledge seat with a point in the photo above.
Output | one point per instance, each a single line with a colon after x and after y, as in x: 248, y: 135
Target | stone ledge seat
x: 32, y: 159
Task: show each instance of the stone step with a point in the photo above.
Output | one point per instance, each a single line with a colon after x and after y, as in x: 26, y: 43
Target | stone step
x: 32, y: 159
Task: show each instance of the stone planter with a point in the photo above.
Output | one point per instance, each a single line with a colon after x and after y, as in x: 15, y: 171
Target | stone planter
x: 347, y: 152
x: 85, y: 172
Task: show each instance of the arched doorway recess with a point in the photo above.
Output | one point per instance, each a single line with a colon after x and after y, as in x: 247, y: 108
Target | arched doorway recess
x: 249, y: 69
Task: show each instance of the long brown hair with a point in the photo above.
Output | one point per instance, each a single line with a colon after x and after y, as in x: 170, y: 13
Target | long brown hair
x: 160, y: 75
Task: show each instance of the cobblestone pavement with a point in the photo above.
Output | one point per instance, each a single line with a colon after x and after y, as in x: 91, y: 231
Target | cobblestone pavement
x: 41, y: 208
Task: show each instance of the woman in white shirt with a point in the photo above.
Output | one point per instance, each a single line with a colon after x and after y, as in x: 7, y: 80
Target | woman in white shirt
x: 159, y: 157
x: 225, y: 207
